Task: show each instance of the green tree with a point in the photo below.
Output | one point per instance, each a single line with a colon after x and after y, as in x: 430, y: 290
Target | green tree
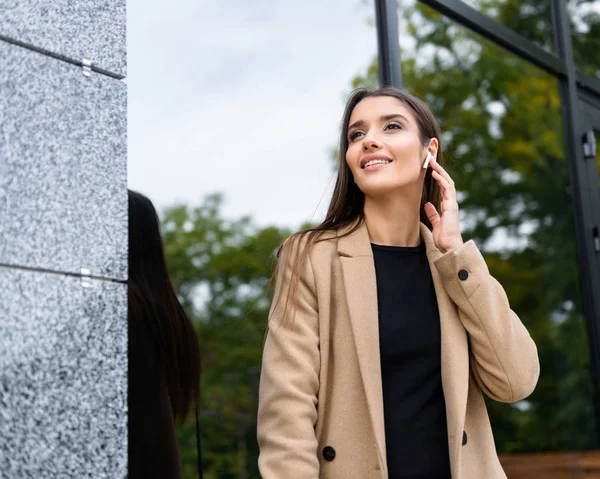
x: 221, y: 271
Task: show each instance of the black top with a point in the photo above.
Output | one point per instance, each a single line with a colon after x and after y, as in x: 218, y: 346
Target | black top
x: 410, y: 343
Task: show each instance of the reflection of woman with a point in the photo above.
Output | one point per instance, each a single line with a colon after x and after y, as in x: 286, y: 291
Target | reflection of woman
x: 385, y: 327
x: 164, y: 366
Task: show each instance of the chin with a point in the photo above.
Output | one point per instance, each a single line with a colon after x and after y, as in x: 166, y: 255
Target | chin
x: 381, y: 187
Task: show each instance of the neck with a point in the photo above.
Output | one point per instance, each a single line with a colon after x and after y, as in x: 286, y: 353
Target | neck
x: 394, y: 220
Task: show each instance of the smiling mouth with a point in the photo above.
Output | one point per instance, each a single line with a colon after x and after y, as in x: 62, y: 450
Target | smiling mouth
x: 378, y: 161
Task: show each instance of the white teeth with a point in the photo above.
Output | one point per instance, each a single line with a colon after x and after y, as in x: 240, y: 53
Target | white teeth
x: 375, y: 162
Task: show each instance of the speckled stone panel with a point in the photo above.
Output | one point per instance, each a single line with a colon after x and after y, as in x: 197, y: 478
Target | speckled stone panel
x: 63, y: 166
x: 94, y: 29
x: 63, y: 377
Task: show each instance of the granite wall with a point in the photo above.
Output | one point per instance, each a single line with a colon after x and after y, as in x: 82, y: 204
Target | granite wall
x: 63, y: 239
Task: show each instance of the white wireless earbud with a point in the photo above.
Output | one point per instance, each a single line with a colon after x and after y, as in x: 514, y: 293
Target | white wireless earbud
x: 427, y: 160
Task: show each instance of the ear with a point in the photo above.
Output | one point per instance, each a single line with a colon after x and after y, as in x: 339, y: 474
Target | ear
x: 433, y: 147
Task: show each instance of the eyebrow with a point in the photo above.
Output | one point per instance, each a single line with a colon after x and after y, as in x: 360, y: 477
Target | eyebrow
x: 382, y: 118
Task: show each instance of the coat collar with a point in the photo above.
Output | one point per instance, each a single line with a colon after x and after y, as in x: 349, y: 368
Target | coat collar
x: 357, y: 243
x: 356, y: 257
x: 354, y: 240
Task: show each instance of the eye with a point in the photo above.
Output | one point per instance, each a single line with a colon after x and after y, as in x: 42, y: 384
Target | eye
x: 354, y: 135
x: 393, y: 126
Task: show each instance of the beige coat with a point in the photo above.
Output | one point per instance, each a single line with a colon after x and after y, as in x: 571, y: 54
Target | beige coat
x: 321, y: 374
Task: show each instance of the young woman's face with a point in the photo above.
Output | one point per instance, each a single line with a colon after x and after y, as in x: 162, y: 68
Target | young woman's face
x: 384, y: 148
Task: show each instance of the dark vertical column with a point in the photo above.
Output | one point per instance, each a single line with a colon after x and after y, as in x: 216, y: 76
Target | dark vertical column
x: 388, y: 47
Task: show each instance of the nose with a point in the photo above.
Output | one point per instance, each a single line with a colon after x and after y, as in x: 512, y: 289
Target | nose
x: 370, y: 142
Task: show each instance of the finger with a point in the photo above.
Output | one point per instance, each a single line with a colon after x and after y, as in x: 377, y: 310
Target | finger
x: 448, y: 194
x: 449, y: 206
x: 432, y: 214
x: 440, y: 169
x: 446, y: 188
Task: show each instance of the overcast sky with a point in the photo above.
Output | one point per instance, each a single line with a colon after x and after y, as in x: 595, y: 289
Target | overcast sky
x: 243, y: 98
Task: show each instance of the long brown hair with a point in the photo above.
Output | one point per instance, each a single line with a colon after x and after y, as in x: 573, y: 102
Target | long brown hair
x: 347, y: 201
x: 155, y: 312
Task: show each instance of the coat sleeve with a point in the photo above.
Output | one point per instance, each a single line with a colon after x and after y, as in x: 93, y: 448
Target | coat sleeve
x: 504, y: 358
x: 289, y: 381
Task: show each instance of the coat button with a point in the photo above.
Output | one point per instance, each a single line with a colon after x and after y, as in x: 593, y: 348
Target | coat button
x: 464, y: 441
x: 328, y: 453
x: 463, y: 275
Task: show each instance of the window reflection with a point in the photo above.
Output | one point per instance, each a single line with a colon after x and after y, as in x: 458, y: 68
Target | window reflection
x: 530, y: 18
x: 585, y: 29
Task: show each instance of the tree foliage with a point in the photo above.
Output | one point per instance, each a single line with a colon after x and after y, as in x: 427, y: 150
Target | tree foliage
x: 221, y: 270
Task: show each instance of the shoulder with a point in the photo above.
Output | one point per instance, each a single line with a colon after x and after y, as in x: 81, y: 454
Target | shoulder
x: 311, y: 242
x: 313, y: 246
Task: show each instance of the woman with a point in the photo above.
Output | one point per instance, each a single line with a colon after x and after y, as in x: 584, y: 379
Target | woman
x: 164, y: 358
x: 385, y: 327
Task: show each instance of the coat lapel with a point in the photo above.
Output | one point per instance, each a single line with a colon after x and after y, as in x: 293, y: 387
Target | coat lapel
x: 360, y: 284
x: 455, y: 353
